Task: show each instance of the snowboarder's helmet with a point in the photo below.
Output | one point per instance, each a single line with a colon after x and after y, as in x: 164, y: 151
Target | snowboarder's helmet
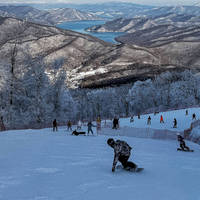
x: 110, y: 141
x: 178, y: 134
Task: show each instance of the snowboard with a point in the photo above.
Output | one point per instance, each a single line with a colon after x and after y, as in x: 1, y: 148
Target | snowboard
x: 139, y: 169
x: 179, y: 149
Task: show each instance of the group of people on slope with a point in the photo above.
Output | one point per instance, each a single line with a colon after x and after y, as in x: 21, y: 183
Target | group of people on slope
x: 79, y: 125
x: 162, y: 119
x: 89, y: 125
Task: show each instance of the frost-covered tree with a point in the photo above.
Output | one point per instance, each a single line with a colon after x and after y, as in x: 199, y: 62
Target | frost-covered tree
x: 168, y: 90
x: 36, y: 89
x: 68, y: 106
x: 141, y: 96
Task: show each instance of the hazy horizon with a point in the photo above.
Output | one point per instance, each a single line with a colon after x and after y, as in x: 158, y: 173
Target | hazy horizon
x: 141, y: 2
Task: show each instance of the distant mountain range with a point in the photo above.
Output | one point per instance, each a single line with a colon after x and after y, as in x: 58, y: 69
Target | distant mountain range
x: 51, y: 17
x: 107, y: 10
x: 154, y: 31
x: 88, y: 61
x: 140, y: 23
x: 113, y: 10
x: 162, y: 34
x: 56, y: 13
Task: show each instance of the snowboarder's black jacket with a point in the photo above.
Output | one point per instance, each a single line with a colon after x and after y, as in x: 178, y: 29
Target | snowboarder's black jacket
x: 181, y: 140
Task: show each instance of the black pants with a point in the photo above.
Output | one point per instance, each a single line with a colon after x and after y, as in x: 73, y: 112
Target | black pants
x: 126, y: 163
x: 69, y: 128
x: 90, y: 130
x: 183, y: 146
x: 55, y: 128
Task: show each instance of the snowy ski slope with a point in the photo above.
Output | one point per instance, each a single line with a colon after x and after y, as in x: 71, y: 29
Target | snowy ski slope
x: 47, y: 165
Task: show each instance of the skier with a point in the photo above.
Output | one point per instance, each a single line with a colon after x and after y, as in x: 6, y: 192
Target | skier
x: 161, y: 119
x: 69, y: 125
x: 182, y: 143
x: 115, y: 123
x: 55, y: 125
x: 122, y: 152
x: 79, y: 124
x: 149, y: 120
x: 186, y: 112
x: 175, y: 123
x: 131, y: 119
x: 193, y: 116
x: 98, y: 122
x: 90, y: 125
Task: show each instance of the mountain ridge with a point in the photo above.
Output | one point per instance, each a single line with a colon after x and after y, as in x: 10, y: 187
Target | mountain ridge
x: 50, y: 17
x: 87, y: 61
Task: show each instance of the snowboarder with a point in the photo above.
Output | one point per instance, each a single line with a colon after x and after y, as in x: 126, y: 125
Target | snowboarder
x: 193, y: 116
x: 183, y: 147
x: 161, y: 119
x: 149, y: 120
x: 90, y: 125
x: 122, y: 152
x: 131, y: 119
x: 175, y: 123
x: 138, y: 115
x: 186, y: 112
x: 55, y: 125
x: 69, y: 125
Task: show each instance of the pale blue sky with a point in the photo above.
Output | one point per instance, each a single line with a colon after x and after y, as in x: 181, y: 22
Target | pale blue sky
x: 147, y: 2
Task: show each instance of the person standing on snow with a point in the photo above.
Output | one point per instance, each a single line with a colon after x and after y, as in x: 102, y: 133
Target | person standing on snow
x: 79, y: 124
x: 175, y: 123
x: 2, y: 126
x: 161, y: 119
x: 69, y: 125
x: 115, y: 123
x: 131, y: 119
x: 193, y: 116
x: 122, y: 152
x: 98, y: 122
x: 149, y: 121
x: 90, y: 125
x: 55, y: 125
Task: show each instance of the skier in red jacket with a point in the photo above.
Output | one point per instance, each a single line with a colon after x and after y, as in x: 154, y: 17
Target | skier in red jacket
x: 161, y: 119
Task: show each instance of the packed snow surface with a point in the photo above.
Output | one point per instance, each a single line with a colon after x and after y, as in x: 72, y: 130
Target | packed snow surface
x: 47, y: 165
x: 183, y: 120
